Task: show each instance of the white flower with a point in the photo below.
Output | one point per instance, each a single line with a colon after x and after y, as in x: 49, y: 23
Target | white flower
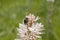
x: 50, y: 0
x: 25, y: 32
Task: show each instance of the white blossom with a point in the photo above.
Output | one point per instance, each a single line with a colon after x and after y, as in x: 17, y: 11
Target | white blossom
x: 29, y: 33
x: 50, y: 0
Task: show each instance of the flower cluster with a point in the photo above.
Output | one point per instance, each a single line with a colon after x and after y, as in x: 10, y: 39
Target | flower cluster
x: 30, y: 33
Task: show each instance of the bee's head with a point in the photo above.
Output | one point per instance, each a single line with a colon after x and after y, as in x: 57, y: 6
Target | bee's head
x: 25, y: 20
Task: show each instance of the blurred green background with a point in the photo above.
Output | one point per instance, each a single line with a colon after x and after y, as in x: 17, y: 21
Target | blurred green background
x: 12, y: 12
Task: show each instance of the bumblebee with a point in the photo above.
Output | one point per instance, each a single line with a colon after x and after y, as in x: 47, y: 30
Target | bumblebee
x: 27, y: 22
